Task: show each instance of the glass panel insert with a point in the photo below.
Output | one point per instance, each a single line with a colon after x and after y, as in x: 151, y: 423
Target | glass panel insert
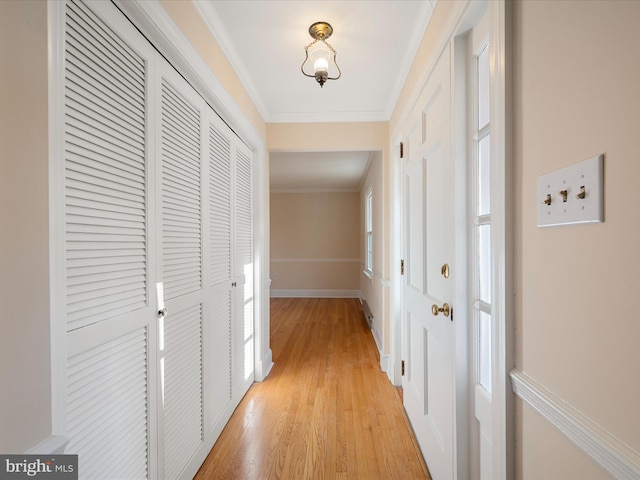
x: 484, y: 176
x: 484, y: 263
x: 485, y: 350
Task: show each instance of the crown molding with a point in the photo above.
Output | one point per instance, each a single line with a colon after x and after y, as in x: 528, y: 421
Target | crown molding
x: 410, y: 55
x: 219, y: 32
x: 327, y: 117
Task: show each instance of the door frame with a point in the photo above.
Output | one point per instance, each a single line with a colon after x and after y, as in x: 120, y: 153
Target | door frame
x: 502, y: 199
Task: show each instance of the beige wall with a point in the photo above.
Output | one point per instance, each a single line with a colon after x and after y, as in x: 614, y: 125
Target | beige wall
x: 577, y: 330
x: 545, y: 454
x: 192, y: 25
x: 321, y: 226
x: 327, y: 136
x: 25, y: 370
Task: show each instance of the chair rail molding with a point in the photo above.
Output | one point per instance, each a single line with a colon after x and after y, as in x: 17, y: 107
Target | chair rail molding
x: 606, y: 450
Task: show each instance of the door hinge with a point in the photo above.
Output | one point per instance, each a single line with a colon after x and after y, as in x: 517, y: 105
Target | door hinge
x: 401, y: 150
x: 402, y: 366
x: 402, y: 267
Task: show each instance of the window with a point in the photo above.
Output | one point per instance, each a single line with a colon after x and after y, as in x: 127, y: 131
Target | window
x: 368, y: 227
x: 481, y: 219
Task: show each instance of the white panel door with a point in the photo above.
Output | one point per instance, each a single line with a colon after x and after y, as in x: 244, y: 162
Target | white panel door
x: 107, y: 246
x: 429, y: 339
x: 180, y: 263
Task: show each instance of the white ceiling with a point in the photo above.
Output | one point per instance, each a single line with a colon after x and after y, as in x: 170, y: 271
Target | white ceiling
x: 375, y: 41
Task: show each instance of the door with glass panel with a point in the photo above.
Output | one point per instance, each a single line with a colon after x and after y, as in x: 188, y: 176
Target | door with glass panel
x: 480, y: 241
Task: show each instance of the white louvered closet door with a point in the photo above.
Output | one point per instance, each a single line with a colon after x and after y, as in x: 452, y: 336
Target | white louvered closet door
x: 243, y: 334
x: 218, y: 276
x: 106, y: 246
x: 152, y: 187
x: 182, y: 168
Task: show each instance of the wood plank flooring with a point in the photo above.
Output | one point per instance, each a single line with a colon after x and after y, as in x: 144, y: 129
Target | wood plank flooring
x: 325, y: 411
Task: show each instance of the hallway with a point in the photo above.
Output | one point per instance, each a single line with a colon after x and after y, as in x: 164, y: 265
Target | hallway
x: 325, y: 411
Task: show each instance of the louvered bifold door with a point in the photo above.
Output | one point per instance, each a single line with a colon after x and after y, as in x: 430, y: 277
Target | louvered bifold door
x: 218, y: 279
x: 181, y: 254
x: 109, y: 322
x: 244, y: 337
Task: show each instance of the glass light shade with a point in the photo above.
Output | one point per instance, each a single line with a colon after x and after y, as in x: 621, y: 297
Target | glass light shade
x: 319, y: 54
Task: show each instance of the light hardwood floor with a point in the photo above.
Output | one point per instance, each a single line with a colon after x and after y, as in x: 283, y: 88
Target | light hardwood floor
x: 325, y: 411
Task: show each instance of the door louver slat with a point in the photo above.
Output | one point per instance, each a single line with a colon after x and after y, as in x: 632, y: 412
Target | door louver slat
x: 181, y: 196
x: 220, y: 206
x: 183, y: 388
x: 221, y: 349
x: 100, y: 186
x: 87, y: 149
x: 104, y: 35
x: 244, y: 213
x: 243, y: 243
x: 107, y: 405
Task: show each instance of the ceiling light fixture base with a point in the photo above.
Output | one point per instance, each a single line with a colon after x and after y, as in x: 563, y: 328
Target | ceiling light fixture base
x: 321, y: 30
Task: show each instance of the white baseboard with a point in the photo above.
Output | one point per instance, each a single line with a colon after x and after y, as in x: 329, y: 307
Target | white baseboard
x: 315, y: 293
x: 377, y: 337
x: 54, y: 445
x: 385, y: 362
x: 267, y: 365
x: 606, y: 450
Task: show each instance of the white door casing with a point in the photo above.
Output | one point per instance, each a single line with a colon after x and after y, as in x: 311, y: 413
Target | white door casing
x: 429, y: 238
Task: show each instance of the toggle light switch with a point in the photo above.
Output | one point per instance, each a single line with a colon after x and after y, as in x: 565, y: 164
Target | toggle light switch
x: 572, y: 194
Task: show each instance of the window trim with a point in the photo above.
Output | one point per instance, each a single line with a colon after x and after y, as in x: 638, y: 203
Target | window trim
x: 368, y: 232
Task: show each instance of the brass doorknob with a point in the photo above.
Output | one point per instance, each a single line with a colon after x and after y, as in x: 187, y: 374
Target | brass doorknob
x: 445, y: 309
x: 444, y: 270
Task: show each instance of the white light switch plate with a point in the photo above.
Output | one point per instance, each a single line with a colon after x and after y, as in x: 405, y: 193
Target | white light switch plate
x: 589, y: 209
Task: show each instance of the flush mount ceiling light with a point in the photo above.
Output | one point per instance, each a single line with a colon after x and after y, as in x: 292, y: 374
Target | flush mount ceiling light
x: 319, y: 53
